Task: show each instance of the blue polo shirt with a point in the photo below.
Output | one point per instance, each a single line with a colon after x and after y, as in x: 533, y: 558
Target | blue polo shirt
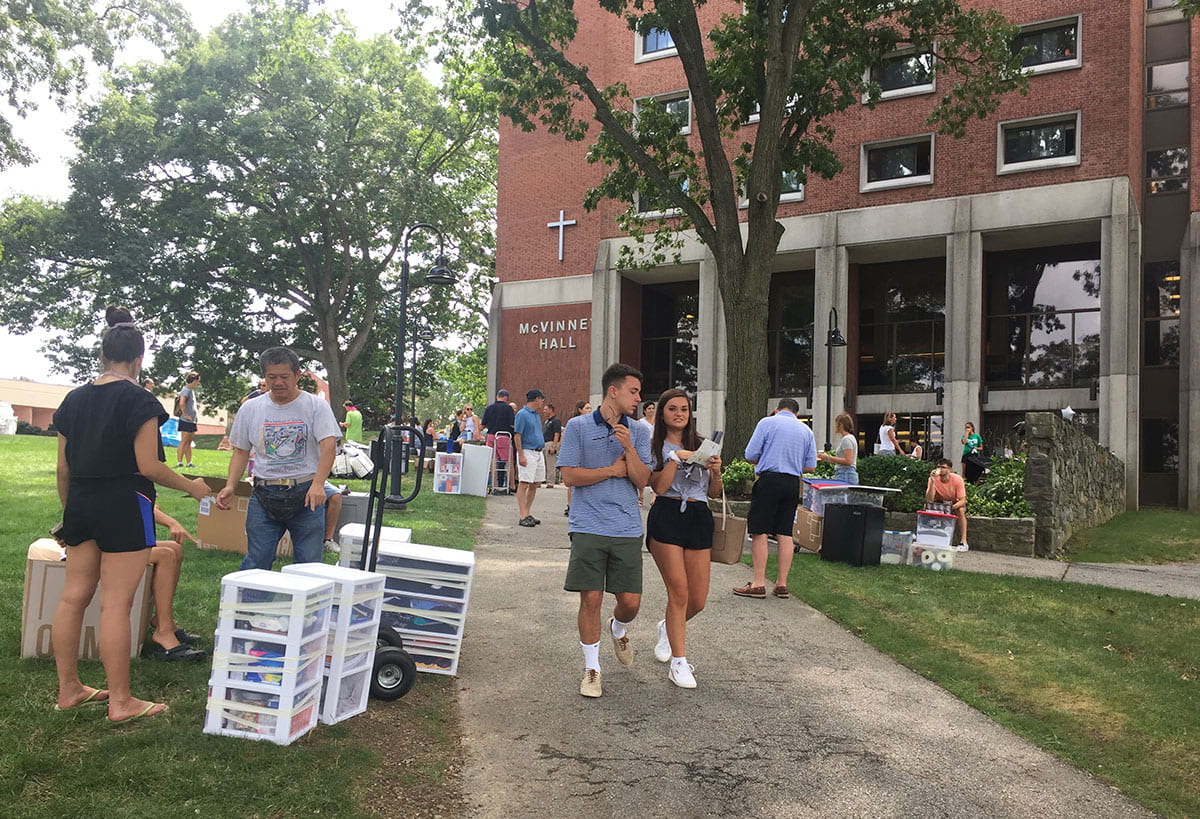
x: 782, y: 443
x: 609, y: 507
x: 529, y: 426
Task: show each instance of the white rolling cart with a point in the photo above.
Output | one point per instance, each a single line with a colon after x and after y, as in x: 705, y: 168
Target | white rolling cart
x: 425, y: 599
x: 353, y: 632
x: 268, y: 655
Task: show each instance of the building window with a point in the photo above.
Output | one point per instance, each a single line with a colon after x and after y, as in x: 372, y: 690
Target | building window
x: 1160, y: 301
x: 1034, y: 144
x: 1160, y: 446
x: 789, y: 333
x: 669, y: 332
x: 1049, y: 46
x: 791, y: 189
x: 901, y: 326
x: 1161, y: 4
x: 902, y: 75
x: 653, y: 45
x: 896, y: 163
x: 677, y: 105
x: 1167, y: 170
x: 1167, y: 85
x: 1042, y: 324
x: 654, y: 204
x: 911, y: 429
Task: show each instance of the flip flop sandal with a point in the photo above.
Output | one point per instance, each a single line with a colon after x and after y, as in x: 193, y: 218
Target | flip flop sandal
x: 90, y: 699
x: 182, y: 653
x: 186, y: 637
x: 143, y: 713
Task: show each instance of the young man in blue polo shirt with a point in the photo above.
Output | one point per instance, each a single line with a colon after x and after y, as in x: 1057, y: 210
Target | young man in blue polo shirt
x: 531, y: 465
x: 605, y: 458
x: 782, y: 449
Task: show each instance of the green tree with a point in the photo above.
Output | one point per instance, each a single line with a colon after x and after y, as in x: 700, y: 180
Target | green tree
x: 787, y: 66
x: 48, y: 45
x: 254, y: 190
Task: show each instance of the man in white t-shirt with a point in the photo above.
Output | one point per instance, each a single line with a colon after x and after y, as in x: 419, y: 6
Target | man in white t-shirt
x: 293, y: 435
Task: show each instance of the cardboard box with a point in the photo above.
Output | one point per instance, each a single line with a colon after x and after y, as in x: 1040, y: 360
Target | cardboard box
x: 44, y: 582
x: 225, y: 529
x: 808, y: 529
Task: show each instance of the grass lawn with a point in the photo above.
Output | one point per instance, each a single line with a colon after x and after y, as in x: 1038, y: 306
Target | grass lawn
x: 75, y: 764
x: 1104, y: 678
x: 1146, y: 536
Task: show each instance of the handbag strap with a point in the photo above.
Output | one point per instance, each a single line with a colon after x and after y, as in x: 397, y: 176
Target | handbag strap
x: 724, y: 508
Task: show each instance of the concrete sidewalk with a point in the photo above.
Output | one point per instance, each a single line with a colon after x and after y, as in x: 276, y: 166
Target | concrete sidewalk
x: 793, y: 715
x: 1175, y: 579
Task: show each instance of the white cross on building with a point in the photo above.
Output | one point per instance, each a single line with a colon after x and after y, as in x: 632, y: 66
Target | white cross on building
x: 561, y: 224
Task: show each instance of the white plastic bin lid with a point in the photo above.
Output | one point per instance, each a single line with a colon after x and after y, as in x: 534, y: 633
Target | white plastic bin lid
x: 340, y: 574
x: 433, y: 554
x: 387, y: 534
x: 277, y: 581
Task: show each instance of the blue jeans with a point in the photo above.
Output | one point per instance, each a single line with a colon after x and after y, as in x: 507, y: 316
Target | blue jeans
x: 307, y: 528
x: 849, y: 474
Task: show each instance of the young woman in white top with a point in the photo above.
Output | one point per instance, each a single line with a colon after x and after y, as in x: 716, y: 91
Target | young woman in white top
x: 845, y: 453
x: 888, y: 445
x: 679, y: 528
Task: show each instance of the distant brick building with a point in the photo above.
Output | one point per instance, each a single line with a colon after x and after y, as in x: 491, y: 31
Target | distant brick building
x: 1047, y: 259
x: 35, y: 403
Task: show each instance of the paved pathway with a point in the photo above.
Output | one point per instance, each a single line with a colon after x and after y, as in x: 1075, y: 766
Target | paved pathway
x: 793, y: 717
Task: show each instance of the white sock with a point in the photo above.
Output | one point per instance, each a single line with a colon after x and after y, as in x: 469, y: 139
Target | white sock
x: 618, y: 628
x: 591, y: 656
x: 679, y: 662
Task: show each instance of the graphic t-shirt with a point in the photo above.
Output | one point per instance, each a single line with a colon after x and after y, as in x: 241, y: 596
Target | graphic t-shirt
x: 100, y: 423
x: 285, y: 438
x: 974, y: 443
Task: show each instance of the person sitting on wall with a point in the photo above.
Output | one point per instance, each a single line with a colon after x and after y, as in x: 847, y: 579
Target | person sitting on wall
x: 945, y: 486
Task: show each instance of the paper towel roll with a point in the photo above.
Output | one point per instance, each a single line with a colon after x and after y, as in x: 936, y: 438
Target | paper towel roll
x: 927, y: 557
x: 944, y: 557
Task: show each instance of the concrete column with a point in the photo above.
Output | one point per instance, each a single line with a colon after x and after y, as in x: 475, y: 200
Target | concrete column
x: 1120, y: 349
x: 1189, y: 368
x: 606, y: 318
x: 495, y: 318
x: 963, y: 379
x: 831, y: 291
x: 710, y: 351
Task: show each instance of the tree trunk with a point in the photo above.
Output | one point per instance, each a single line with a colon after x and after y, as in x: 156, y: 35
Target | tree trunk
x: 745, y: 290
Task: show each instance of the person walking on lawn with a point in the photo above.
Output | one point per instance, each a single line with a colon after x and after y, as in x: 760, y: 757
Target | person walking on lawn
x: 605, y: 458
x: 782, y: 449
x: 531, y: 464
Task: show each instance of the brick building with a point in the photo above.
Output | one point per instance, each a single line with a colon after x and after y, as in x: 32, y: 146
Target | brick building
x: 1044, y: 260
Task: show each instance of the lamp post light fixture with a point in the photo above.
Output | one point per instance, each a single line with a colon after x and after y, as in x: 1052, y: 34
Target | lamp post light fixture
x: 833, y: 339
x: 440, y: 274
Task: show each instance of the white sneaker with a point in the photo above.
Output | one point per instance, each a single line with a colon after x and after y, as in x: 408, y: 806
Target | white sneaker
x: 332, y: 546
x: 963, y: 547
x: 681, y: 674
x: 589, y: 686
x: 662, y: 649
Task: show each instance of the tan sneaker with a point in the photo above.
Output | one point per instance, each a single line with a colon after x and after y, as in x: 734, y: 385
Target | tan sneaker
x: 589, y: 686
x: 621, y: 646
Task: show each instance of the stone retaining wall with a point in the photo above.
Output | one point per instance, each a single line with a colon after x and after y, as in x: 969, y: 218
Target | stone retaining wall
x: 1014, y: 536
x: 1071, y: 482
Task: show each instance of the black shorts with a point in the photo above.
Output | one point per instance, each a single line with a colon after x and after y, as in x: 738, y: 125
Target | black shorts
x: 117, y: 514
x: 691, y: 529
x: 773, y: 503
x: 187, y: 426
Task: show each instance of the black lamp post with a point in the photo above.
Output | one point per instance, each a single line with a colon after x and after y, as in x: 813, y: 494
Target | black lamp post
x: 419, y: 334
x: 834, y: 339
x: 440, y: 274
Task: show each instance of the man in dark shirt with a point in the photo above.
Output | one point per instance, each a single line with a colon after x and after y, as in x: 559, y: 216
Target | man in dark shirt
x: 552, y: 432
x: 499, y: 417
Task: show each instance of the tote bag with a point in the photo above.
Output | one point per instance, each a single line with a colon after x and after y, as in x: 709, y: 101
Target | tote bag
x: 729, y: 535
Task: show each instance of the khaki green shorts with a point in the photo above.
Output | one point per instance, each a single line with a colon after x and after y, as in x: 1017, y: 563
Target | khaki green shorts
x: 602, y: 563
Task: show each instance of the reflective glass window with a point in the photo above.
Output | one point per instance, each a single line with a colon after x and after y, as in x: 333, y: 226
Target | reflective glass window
x: 669, y: 332
x: 1048, y: 44
x: 789, y: 333
x: 1160, y: 446
x: 901, y: 326
x: 908, y: 159
x: 1167, y: 170
x: 657, y: 40
x: 903, y: 71
x: 1041, y: 140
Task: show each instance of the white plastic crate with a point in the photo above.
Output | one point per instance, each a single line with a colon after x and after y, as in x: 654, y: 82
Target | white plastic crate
x: 352, y: 636
x: 894, y: 548
x: 350, y: 540
x: 937, y: 558
x: 935, y: 529
x: 268, y: 656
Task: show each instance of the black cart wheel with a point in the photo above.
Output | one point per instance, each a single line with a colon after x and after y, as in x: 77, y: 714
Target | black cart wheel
x: 388, y: 636
x: 394, y: 675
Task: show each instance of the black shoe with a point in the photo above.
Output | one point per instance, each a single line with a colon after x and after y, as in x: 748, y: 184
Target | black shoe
x: 182, y: 653
x: 535, y: 520
x: 567, y: 512
x: 186, y: 637
x: 528, y: 522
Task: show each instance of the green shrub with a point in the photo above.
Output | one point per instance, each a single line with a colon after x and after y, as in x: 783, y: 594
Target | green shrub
x: 1002, y: 493
x: 26, y: 428
x: 738, y: 477
x: 897, y: 472
x: 824, y: 470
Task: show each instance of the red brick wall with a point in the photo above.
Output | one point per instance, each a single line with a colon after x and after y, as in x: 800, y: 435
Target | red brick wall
x: 539, y: 173
x: 552, y: 360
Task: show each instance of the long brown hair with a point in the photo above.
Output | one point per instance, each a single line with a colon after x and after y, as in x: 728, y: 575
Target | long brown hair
x: 690, y: 439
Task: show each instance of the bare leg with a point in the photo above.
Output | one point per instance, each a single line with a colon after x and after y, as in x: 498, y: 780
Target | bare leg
x: 962, y: 519
x: 589, y: 616
x: 523, y: 503
x: 670, y: 561
x: 628, y: 604
x: 83, y: 573
x: 698, y: 564
x: 784, y: 560
x: 120, y: 573
x: 167, y: 557
x: 758, y: 554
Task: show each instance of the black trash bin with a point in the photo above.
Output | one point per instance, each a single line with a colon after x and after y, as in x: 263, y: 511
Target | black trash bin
x: 853, y: 534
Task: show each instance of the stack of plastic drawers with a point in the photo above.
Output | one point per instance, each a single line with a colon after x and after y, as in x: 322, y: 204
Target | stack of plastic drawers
x: 353, y: 630
x: 425, y: 599
x: 270, y: 645
x: 932, y: 550
x: 350, y: 540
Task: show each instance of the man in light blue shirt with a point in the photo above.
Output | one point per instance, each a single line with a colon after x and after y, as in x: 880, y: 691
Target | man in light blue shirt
x: 605, y: 458
x: 531, y: 465
x: 782, y: 449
